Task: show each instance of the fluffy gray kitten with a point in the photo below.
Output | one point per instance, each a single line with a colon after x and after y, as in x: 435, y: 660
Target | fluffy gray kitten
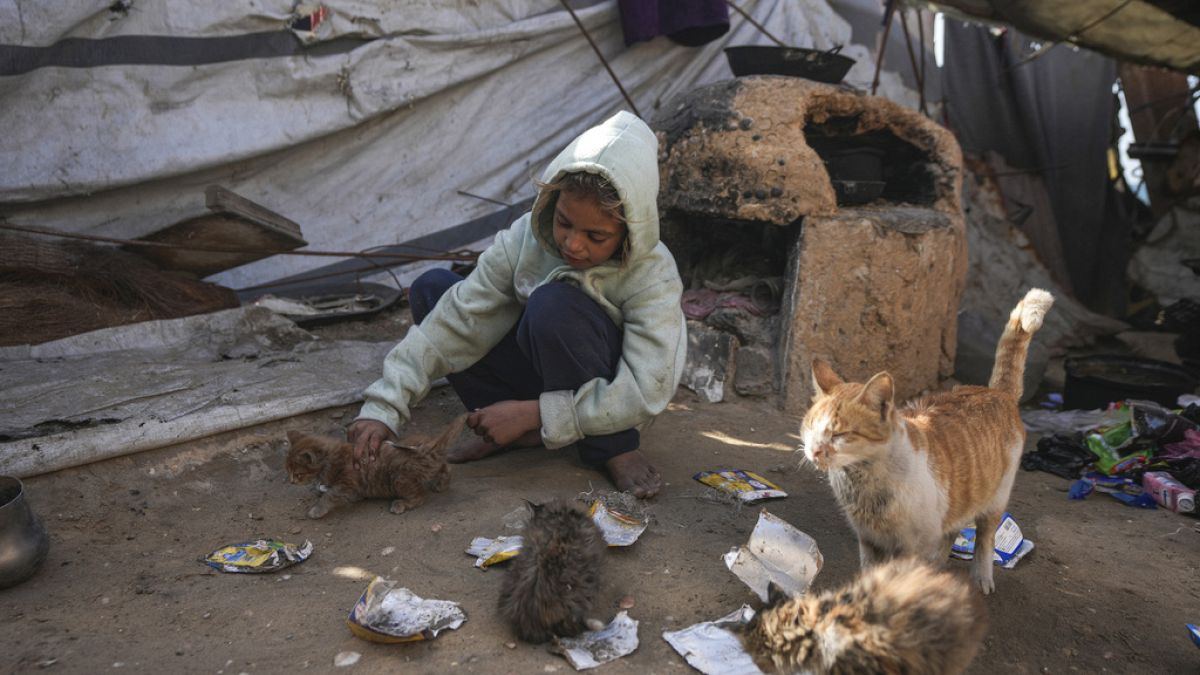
x: 903, y: 616
x: 551, y: 586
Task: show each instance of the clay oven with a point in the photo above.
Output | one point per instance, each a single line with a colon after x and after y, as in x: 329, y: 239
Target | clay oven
x: 811, y: 220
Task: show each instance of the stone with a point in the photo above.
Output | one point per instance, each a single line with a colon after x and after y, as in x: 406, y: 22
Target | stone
x: 755, y: 374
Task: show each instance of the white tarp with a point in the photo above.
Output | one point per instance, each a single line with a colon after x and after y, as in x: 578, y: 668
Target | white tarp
x: 363, y: 147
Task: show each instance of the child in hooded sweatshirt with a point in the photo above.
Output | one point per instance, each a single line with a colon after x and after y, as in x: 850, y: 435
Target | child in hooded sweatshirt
x: 569, y: 330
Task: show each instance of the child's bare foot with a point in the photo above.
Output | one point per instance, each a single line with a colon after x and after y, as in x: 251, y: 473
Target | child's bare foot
x: 632, y: 472
x: 474, y: 447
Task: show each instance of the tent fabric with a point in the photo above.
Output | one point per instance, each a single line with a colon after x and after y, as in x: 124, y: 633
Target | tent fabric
x: 1051, y: 115
x: 363, y: 147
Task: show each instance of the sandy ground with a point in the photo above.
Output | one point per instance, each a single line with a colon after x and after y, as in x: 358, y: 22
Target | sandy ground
x: 1107, y: 589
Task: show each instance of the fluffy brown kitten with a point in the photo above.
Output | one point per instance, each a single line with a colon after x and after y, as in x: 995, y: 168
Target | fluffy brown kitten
x: 551, y: 586
x: 909, y: 479
x: 899, y: 617
x: 407, y: 473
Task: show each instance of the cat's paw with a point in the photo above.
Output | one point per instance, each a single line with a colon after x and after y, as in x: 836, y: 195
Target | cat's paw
x: 398, y: 507
x: 317, y: 511
x: 985, y: 582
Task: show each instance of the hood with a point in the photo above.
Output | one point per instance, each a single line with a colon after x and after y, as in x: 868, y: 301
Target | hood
x: 624, y: 150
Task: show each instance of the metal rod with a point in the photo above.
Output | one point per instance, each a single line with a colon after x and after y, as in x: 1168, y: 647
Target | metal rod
x: 889, y: 12
x: 229, y: 249
x: 912, y: 59
x: 596, y: 49
x: 762, y: 29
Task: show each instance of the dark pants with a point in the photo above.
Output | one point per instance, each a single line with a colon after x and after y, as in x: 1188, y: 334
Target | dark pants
x: 562, y: 340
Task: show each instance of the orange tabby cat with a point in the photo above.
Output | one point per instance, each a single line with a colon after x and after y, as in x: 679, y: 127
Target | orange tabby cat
x: 407, y: 473
x: 908, y: 479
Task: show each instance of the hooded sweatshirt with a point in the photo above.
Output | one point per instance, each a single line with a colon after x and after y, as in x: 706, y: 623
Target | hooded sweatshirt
x: 641, y: 294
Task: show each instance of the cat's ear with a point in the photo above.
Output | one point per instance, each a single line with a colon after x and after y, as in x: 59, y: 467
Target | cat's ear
x: 878, y: 394
x: 293, y: 436
x: 775, y: 594
x: 823, y: 376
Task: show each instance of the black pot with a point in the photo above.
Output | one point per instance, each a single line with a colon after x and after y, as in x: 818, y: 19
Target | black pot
x: 23, y: 540
x: 1095, y: 381
x: 821, y: 66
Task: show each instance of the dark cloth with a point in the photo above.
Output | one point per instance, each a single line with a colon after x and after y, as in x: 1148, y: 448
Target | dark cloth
x: 562, y: 340
x: 1052, y: 115
x: 689, y: 22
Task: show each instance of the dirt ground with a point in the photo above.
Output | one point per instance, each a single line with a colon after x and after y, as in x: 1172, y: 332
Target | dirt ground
x: 1108, y: 588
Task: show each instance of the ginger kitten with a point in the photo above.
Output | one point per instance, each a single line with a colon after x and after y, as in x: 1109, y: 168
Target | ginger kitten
x: 910, y: 478
x: 899, y: 617
x: 406, y: 473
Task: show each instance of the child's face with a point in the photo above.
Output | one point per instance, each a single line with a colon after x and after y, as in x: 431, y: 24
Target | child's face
x: 586, y: 234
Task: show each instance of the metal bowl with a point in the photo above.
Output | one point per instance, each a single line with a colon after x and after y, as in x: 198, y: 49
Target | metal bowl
x: 23, y: 540
x: 821, y: 66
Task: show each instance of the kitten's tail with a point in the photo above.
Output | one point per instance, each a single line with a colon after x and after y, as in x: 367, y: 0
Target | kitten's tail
x: 1009, y: 369
x: 451, y: 432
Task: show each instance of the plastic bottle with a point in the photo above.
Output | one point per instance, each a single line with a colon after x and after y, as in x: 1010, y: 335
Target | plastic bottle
x: 1168, y: 492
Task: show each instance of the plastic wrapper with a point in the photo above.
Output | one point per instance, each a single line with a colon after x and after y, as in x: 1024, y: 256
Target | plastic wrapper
x: 597, y: 647
x: 1194, y: 633
x: 1125, y: 490
x: 1010, y: 544
x: 1152, y: 421
x: 1063, y: 456
x: 385, y: 613
x: 776, y: 552
x: 1116, y: 449
x: 488, y: 552
x: 745, y: 485
x: 713, y: 648
x: 260, y: 556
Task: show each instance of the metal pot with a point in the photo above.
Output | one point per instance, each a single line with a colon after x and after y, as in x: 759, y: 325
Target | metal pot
x: 23, y: 540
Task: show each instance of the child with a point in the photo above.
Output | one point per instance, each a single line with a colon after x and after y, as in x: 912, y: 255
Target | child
x: 569, y: 330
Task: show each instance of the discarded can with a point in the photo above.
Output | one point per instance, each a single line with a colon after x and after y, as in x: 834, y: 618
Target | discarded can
x: 1168, y: 492
x: 713, y: 647
x: 258, y: 557
x: 745, y: 485
x: 388, y: 614
x: 596, y: 647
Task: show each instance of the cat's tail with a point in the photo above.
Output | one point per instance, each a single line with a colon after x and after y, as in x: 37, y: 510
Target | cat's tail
x: 451, y: 432
x: 1008, y: 372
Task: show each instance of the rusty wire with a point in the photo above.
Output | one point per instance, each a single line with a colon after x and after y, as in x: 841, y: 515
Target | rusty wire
x: 600, y: 54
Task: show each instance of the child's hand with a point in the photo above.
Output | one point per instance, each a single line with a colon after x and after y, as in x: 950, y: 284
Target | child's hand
x: 367, y: 435
x: 504, y: 422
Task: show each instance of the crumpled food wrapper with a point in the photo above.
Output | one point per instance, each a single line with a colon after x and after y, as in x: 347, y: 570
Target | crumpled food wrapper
x: 596, y: 647
x: 747, y: 486
x: 385, y: 613
x: 776, y: 552
x: 258, y: 557
x: 1010, y: 544
x: 712, y: 647
x: 488, y: 552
